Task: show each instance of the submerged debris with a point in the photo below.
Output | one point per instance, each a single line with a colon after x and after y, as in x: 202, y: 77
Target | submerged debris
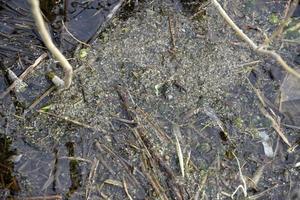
x: 267, y: 144
x: 290, y: 100
x: 156, y: 79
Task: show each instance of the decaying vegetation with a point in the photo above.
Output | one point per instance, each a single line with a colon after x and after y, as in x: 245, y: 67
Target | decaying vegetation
x: 167, y: 104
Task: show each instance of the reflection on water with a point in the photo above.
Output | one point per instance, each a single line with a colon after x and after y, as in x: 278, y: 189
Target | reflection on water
x: 75, y: 172
x: 8, y: 182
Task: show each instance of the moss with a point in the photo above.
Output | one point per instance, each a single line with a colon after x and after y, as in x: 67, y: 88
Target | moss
x: 273, y: 19
x: 83, y: 53
x: 50, y: 75
x: 239, y: 122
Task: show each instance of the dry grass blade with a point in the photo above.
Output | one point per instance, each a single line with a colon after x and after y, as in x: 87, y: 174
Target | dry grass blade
x: 91, y: 178
x: 126, y: 189
x: 201, y: 186
x: 157, y: 187
x: 40, y: 98
x: 76, y: 159
x: 291, y: 6
x: 263, y: 110
x: 153, y: 166
x: 50, y: 177
x: 114, y: 183
x: 172, y: 26
x: 121, y: 161
x: 50, y: 90
x: 180, y: 156
x: 51, y: 197
x: 176, y: 131
x: 275, y: 125
x: 146, y: 169
x: 70, y: 120
x: 258, y: 174
x: 260, y: 195
x: 83, y: 43
x: 161, y: 134
x: 244, y: 185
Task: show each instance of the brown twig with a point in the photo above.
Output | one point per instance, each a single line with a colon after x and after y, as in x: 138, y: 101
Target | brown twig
x: 172, y: 25
x: 51, y: 89
x: 200, y: 9
x: 275, y: 122
x: 201, y: 186
x: 29, y: 70
x: 124, y: 163
x: 275, y: 125
x: 76, y: 159
x: 125, y: 102
x: 91, y: 178
x: 161, y: 134
x: 291, y: 6
x: 40, y: 98
x: 80, y: 42
x: 126, y: 189
x: 150, y: 155
x: 153, y: 180
x: 52, y: 197
x: 65, y: 118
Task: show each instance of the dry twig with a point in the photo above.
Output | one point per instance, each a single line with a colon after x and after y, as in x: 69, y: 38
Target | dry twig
x: 275, y: 122
x: 50, y: 90
x: 51, y: 197
x: 80, y: 42
x: 275, y: 125
x: 40, y: 98
x: 149, y: 154
x: 23, y: 75
x: 176, y: 131
x: 126, y: 189
x: 91, y: 178
x: 172, y: 26
x: 243, y: 186
x: 65, y: 118
x: 291, y: 6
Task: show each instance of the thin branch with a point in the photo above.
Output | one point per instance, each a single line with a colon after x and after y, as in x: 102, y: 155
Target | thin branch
x: 23, y: 75
x: 51, y: 197
x: 91, y: 178
x: 244, y: 185
x: 256, y: 48
x: 67, y: 119
x: 65, y: 27
x: 275, y: 123
x: 126, y: 189
x: 291, y: 6
x: 40, y: 98
x: 49, y: 90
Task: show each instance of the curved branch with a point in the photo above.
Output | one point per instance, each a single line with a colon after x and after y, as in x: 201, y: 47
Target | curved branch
x: 41, y: 27
x: 256, y: 48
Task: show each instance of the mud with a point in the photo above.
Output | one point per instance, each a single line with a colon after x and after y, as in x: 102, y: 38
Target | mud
x: 158, y: 74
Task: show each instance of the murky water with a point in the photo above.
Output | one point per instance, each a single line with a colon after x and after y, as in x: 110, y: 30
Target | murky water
x: 163, y: 71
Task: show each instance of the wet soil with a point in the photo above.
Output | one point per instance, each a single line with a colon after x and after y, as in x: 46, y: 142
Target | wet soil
x: 163, y: 75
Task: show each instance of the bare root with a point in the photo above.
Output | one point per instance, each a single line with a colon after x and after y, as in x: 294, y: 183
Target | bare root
x: 41, y: 27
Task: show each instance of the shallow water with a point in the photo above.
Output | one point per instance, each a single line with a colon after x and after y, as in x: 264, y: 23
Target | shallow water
x: 197, y: 90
